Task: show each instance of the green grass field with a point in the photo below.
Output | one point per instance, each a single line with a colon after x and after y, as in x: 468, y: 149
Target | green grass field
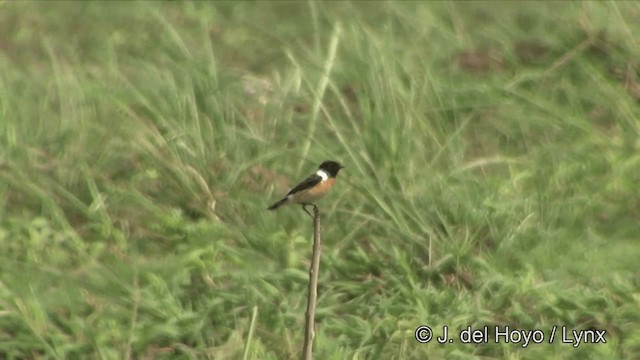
x: 492, y: 178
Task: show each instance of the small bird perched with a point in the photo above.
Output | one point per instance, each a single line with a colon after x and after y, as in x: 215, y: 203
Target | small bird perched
x: 312, y: 188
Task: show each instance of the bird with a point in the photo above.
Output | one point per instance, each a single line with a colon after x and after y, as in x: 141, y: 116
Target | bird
x: 313, y: 188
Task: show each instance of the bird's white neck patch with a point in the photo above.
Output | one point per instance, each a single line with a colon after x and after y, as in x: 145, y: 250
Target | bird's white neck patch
x: 323, y: 174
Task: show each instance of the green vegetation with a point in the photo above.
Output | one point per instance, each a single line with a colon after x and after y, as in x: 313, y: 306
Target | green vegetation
x: 492, y: 158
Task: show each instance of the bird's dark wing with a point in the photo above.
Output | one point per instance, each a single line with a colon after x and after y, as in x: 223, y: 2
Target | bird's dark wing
x: 307, y: 183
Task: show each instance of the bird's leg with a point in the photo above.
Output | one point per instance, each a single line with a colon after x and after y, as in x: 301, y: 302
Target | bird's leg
x: 304, y: 207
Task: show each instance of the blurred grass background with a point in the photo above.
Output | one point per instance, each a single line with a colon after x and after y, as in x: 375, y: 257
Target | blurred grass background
x: 492, y: 158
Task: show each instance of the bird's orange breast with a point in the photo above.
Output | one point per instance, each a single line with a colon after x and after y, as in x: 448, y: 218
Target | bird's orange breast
x: 323, y: 187
x: 312, y: 194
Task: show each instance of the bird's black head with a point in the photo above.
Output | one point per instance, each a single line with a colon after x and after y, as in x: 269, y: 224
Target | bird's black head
x: 331, y: 167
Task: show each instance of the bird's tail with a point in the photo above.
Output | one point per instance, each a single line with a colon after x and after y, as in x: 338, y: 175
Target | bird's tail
x: 278, y: 204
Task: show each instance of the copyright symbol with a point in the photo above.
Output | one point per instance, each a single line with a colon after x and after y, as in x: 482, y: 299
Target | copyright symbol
x: 424, y: 334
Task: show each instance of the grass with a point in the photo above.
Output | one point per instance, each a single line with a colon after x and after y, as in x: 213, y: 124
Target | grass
x: 492, y: 153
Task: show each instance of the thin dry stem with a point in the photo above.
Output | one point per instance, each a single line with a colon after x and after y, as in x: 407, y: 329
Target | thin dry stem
x: 314, y: 270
